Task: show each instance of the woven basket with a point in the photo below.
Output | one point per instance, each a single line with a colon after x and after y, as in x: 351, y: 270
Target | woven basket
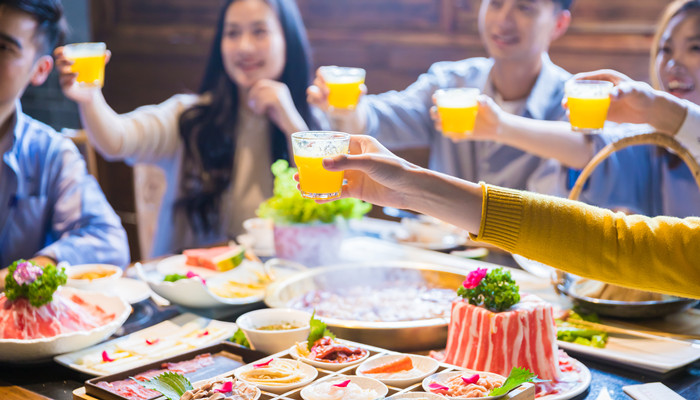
x: 655, y: 138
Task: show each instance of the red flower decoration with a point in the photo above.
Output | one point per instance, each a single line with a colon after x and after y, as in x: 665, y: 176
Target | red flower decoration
x: 472, y: 379
x: 105, y: 357
x: 474, y: 278
x: 226, y: 387
x: 343, y: 384
x: 263, y: 365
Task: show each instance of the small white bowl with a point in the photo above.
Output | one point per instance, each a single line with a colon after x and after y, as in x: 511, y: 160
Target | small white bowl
x: 361, y: 381
x: 111, y: 274
x: 443, y: 377
x: 422, y: 367
x: 329, y: 366
x: 274, y: 341
x: 417, y: 395
x: 307, y: 370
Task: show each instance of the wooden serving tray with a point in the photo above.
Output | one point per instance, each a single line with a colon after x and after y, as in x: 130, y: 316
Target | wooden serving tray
x: 525, y: 392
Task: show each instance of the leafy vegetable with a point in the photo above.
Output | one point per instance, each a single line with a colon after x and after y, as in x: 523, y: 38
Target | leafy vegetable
x: 169, y: 384
x: 174, y: 277
x: 496, y: 290
x: 288, y: 206
x: 517, y: 377
x: 318, y: 329
x: 38, y: 292
x: 577, y: 314
x: 569, y: 332
x: 239, y: 337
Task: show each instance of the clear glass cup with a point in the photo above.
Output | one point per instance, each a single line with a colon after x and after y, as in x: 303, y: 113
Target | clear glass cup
x: 344, y: 85
x: 588, y: 103
x: 457, y: 108
x: 88, y: 62
x: 310, y: 148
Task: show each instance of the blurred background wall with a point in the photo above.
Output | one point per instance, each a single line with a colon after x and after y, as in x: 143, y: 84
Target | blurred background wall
x: 159, y: 48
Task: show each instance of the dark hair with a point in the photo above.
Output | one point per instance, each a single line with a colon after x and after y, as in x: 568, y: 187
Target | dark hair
x: 208, y: 130
x: 564, y: 4
x: 52, y: 27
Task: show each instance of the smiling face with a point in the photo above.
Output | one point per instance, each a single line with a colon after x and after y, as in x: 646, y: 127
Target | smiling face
x: 678, y: 60
x: 520, y: 30
x: 253, y: 45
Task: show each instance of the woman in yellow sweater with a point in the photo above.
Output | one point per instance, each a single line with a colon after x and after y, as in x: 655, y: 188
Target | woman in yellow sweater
x: 656, y: 254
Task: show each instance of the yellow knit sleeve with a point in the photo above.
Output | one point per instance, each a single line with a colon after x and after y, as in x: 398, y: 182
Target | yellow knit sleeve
x: 660, y: 254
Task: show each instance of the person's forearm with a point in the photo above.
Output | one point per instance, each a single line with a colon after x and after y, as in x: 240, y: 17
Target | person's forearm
x: 102, y: 125
x: 668, y: 114
x: 450, y: 199
x: 546, y: 139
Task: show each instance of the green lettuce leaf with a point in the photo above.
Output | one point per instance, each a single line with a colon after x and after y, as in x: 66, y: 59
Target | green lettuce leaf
x: 517, y: 377
x: 239, y: 338
x: 169, y: 384
x: 174, y: 277
x: 318, y: 329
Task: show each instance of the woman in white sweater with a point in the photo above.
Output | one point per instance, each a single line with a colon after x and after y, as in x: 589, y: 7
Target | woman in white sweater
x: 215, y: 147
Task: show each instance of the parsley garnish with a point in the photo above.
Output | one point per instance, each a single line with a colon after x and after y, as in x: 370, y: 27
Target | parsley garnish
x: 496, y: 290
x: 40, y: 291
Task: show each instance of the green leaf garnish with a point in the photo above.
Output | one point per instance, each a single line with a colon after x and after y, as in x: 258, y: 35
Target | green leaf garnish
x: 239, y: 338
x: 40, y: 291
x: 289, y: 207
x: 317, y: 330
x: 174, y: 277
x: 497, y: 290
x: 517, y: 377
x: 169, y: 384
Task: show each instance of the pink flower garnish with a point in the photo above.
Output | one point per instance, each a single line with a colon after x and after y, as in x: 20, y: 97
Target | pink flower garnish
x: 226, y: 387
x: 472, y: 379
x: 205, y: 333
x: 344, y: 384
x: 105, y: 357
x: 26, y: 273
x: 436, y: 387
x: 263, y: 365
x: 152, y: 342
x: 474, y: 278
x: 191, y: 275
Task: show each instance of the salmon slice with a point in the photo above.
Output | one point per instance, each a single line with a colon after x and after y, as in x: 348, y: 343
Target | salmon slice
x: 401, y: 364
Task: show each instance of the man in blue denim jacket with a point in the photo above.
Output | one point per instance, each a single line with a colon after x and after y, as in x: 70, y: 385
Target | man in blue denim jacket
x: 518, y: 75
x: 51, y: 209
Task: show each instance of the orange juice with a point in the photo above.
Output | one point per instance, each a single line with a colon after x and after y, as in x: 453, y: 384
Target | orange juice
x: 344, y: 94
x: 315, y: 180
x: 588, y: 114
x: 457, y: 122
x: 91, y: 70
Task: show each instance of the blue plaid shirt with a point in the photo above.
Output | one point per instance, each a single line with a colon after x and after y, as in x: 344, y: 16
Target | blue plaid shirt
x: 49, y: 204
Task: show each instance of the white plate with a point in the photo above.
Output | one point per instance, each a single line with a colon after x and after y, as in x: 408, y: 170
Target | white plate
x: 307, y: 370
x: 192, y: 293
x: 417, y: 395
x: 24, y: 350
x: 658, y: 355
x: 131, y: 290
x: 443, y: 241
x: 361, y: 381
x: 168, y: 346
x: 260, y: 249
x: 580, y: 382
x: 327, y: 365
x: 422, y: 367
x: 442, y: 377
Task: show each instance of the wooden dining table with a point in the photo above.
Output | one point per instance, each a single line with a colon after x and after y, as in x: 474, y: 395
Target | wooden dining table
x: 47, y: 379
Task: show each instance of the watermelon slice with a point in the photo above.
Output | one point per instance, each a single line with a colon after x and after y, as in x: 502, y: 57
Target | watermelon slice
x: 222, y: 258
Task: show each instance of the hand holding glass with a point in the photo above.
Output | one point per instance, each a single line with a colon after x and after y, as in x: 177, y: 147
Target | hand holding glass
x: 588, y: 103
x: 457, y: 108
x: 310, y: 148
x: 343, y: 85
x: 88, y: 62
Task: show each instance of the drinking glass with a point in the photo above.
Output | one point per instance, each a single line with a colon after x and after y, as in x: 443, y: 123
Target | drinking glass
x: 88, y: 62
x: 457, y: 108
x: 344, y: 85
x: 310, y: 148
x: 588, y: 103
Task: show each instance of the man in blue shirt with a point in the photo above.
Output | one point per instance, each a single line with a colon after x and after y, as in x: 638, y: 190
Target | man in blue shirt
x: 518, y: 75
x: 51, y: 209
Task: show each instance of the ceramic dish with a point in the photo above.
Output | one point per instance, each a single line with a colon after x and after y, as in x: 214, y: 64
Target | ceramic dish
x: 305, y: 371
x: 361, y: 381
x: 272, y: 341
x: 18, y: 350
x: 427, y: 233
x: 95, y: 277
x: 422, y: 367
x: 417, y: 395
x: 330, y: 366
x: 442, y: 377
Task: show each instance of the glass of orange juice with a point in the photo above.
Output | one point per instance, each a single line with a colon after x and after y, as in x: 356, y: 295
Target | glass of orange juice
x: 343, y: 85
x: 588, y: 103
x: 310, y: 148
x: 88, y: 62
x: 457, y: 108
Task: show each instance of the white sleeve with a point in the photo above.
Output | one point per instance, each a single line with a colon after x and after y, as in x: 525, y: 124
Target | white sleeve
x: 689, y: 133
